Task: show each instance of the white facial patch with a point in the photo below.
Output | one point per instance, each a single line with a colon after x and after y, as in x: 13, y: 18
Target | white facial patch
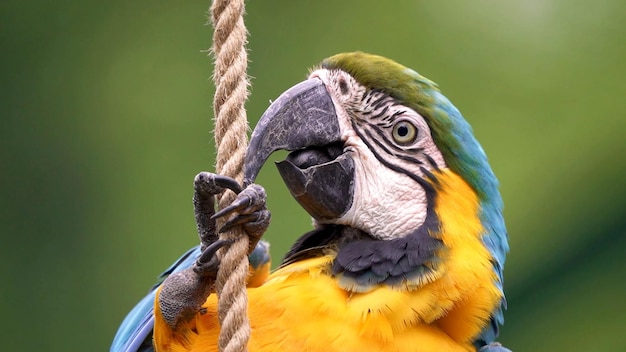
x: 387, y: 204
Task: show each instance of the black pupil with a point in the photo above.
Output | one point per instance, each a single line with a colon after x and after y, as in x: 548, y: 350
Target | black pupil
x: 403, y: 131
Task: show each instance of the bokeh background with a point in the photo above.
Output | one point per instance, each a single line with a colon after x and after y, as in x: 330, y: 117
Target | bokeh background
x: 105, y: 115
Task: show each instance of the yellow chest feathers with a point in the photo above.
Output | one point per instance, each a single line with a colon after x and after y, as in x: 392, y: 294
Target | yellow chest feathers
x: 302, y: 308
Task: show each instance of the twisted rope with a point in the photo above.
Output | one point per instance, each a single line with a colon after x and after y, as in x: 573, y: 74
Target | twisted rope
x: 231, y: 92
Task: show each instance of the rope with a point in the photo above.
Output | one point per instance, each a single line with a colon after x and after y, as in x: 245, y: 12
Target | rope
x: 231, y: 126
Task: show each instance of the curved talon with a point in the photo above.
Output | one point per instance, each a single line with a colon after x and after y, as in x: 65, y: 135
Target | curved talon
x: 227, y: 182
x: 213, y: 184
x: 251, y: 199
x: 239, y: 220
x: 210, y: 251
x: 237, y: 204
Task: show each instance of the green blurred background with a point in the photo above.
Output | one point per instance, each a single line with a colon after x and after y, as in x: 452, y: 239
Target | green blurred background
x: 106, y: 115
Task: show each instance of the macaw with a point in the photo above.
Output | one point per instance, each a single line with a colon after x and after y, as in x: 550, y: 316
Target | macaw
x: 409, y: 242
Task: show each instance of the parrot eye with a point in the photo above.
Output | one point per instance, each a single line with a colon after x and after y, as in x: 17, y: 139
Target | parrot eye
x: 404, y: 132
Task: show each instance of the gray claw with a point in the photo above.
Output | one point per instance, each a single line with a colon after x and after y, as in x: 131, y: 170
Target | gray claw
x: 250, y: 200
x: 209, y: 252
x: 237, y: 205
x: 227, y: 182
x: 238, y: 220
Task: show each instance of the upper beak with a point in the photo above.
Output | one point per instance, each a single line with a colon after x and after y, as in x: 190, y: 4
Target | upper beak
x: 317, y: 172
x: 301, y: 117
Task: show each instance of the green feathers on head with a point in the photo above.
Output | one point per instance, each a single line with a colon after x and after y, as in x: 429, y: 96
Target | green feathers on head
x: 379, y: 72
x: 420, y: 94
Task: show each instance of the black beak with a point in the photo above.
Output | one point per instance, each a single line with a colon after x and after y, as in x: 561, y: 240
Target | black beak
x: 317, y: 172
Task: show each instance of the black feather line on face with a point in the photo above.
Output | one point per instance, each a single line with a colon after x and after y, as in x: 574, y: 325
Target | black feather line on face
x: 430, y: 176
x: 370, y: 94
x: 398, y: 151
x: 386, y: 121
x: 432, y: 162
x: 396, y: 114
x: 382, y: 113
x: 378, y: 102
x: 386, y: 150
x: 427, y: 186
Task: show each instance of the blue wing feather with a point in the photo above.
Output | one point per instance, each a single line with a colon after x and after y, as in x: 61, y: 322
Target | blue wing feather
x: 136, y: 327
x: 135, y: 332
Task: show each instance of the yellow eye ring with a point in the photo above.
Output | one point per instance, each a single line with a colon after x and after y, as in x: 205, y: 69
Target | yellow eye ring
x: 404, y: 133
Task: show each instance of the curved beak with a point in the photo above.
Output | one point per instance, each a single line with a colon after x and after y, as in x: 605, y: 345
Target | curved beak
x: 301, y: 117
x: 317, y: 172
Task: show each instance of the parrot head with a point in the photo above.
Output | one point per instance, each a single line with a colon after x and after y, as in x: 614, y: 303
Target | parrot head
x: 393, y: 178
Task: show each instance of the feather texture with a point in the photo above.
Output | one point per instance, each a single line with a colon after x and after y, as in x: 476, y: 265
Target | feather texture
x: 302, y: 307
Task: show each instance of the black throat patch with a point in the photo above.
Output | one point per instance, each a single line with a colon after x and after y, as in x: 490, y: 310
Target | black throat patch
x: 363, y: 261
x: 362, y: 264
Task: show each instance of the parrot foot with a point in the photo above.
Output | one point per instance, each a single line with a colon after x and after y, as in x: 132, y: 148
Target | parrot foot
x: 249, y: 211
x: 183, y: 293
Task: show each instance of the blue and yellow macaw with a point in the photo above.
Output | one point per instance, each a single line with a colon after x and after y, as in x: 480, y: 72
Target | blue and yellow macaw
x: 409, y: 242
